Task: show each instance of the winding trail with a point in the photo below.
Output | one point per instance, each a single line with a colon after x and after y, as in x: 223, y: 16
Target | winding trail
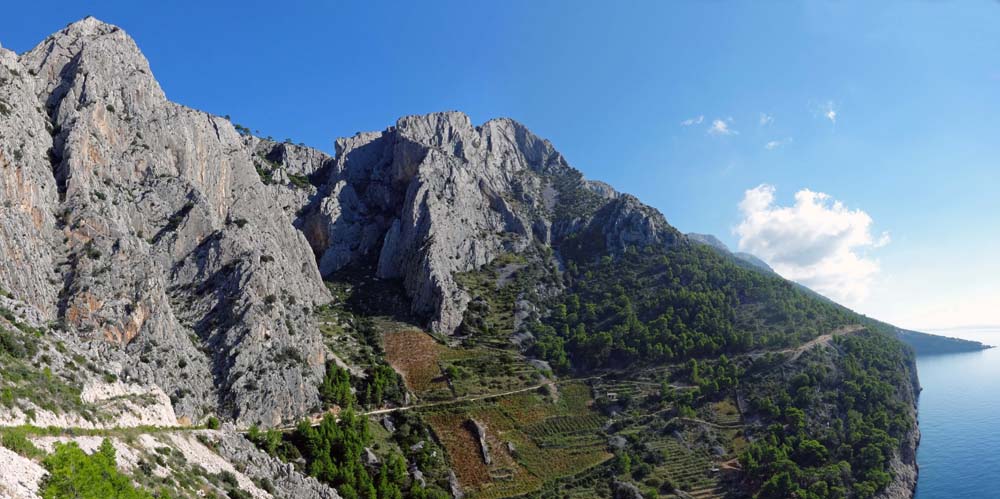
x: 823, y: 339
x: 316, y: 419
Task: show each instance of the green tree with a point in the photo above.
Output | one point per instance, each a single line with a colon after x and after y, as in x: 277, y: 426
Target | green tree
x: 336, y: 386
x: 72, y: 473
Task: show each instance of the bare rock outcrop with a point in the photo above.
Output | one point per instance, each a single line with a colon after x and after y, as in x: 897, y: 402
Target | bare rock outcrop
x: 288, y: 482
x: 28, y: 194
x: 21, y: 477
x: 480, y: 431
x: 435, y: 195
x: 155, y: 231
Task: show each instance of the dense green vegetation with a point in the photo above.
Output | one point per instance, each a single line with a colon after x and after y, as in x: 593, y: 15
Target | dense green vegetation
x: 381, y: 385
x: 16, y: 439
x: 336, y: 386
x: 832, y: 429
x: 334, y: 452
x: 74, y: 473
x: 668, y: 305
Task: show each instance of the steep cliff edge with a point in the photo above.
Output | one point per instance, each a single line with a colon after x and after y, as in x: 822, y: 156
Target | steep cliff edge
x: 903, y: 463
x: 142, y: 223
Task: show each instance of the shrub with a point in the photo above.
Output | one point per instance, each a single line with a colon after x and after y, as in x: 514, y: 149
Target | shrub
x: 16, y: 439
x: 212, y: 423
x: 300, y: 181
x: 92, y: 252
x: 72, y: 473
x: 18, y: 346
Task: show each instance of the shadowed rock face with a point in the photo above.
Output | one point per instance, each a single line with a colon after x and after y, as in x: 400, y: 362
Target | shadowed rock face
x: 435, y: 195
x: 162, y: 233
x: 432, y: 196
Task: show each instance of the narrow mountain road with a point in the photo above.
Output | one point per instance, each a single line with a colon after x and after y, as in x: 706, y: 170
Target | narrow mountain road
x: 824, y: 339
x: 316, y: 419
x: 470, y: 398
x: 795, y: 352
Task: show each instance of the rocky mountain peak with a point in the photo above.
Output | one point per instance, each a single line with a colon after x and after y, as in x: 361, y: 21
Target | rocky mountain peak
x: 170, y: 237
x: 91, y: 61
x: 435, y: 195
x: 88, y: 26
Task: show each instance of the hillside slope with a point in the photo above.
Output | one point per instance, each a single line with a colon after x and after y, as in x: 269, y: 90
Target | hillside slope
x: 466, y: 275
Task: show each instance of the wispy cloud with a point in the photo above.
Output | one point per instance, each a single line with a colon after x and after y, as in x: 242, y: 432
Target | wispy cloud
x: 774, y: 144
x: 721, y: 127
x: 830, y: 112
x: 817, y: 241
x: 693, y: 121
x: 766, y: 119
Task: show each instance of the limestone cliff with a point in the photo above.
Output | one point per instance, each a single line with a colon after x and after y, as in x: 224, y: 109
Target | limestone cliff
x: 131, y: 220
x: 435, y: 195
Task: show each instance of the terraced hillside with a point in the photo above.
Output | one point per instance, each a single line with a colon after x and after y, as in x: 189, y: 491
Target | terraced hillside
x: 439, y: 309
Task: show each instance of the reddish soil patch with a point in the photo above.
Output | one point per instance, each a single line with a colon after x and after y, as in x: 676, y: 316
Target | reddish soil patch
x: 415, y: 355
x: 464, y: 453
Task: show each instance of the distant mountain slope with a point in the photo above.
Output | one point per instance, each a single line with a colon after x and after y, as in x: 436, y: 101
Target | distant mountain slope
x: 932, y: 344
x: 716, y: 244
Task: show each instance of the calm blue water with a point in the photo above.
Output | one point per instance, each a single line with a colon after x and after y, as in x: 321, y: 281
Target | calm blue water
x: 959, y: 454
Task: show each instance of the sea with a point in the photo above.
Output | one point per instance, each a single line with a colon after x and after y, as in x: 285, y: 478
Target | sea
x: 959, y: 414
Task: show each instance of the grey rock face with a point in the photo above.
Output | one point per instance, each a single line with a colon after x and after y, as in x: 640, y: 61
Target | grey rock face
x: 28, y: 194
x: 288, y: 483
x: 708, y: 240
x: 288, y: 171
x: 626, y: 490
x: 484, y: 448
x: 435, y: 195
x: 169, y: 243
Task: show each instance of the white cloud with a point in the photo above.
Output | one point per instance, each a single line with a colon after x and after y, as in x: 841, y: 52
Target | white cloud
x: 830, y: 112
x: 774, y: 144
x: 693, y: 121
x: 721, y: 127
x: 766, y: 119
x: 817, y: 242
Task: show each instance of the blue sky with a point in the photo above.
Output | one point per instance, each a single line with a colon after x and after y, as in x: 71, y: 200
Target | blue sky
x: 913, y: 144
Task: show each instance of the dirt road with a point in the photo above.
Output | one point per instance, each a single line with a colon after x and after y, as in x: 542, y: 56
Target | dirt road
x: 824, y: 339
